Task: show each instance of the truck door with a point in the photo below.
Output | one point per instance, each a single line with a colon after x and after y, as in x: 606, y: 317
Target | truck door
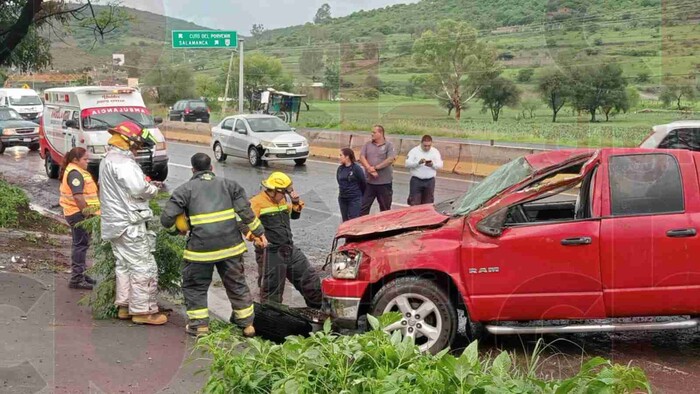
x: 649, y: 240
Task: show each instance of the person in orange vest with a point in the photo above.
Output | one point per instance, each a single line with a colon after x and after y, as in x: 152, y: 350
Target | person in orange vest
x: 79, y: 200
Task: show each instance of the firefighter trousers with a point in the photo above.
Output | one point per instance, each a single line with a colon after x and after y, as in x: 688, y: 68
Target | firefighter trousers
x: 136, y: 270
x: 287, y: 261
x: 196, y: 278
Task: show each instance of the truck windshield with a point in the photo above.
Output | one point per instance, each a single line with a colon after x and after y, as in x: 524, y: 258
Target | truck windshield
x: 272, y: 124
x: 9, y: 114
x: 104, y: 121
x: 504, y: 177
x: 25, y: 100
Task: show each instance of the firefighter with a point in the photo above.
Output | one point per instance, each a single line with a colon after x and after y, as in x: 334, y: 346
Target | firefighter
x: 282, y: 259
x: 79, y: 201
x: 213, y: 205
x: 124, y: 196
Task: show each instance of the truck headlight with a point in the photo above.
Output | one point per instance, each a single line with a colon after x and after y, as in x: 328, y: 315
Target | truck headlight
x: 160, y: 145
x: 9, y: 132
x: 345, y: 264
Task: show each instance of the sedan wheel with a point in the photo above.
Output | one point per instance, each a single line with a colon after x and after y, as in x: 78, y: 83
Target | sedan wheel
x: 219, y: 152
x: 254, y: 157
x: 427, y: 314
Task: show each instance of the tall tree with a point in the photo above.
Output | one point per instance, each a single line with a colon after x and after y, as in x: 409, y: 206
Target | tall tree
x: 17, y: 18
x: 33, y: 53
x: 311, y: 63
x: 259, y: 72
x: 331, y: 78
x: 594, y: 86
x: 461, y: 63
x: 555, y: 89
x: 498, y: 93
x: 675, y: 93
x: 207, y: 87
x: 172, y: 83
x: 257, y: 30
x: 323, y: 14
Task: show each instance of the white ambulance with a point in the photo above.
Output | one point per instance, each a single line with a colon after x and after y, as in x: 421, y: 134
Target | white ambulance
x: 25, y: 101
x: 80, y: 116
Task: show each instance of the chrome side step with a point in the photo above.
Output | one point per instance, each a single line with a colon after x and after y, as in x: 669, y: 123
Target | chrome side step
x: 579, y: 328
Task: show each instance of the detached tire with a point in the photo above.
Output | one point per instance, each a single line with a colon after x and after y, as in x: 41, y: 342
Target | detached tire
x: 34, y: 147
x: 2, y: 148
x: 219, y: 154
x: 161, y: 175
x: 50, y: 167
x: 428, y: 313
x: 300, y: 162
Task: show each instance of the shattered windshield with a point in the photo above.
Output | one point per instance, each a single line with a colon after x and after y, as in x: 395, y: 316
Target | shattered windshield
x: 501, y: 179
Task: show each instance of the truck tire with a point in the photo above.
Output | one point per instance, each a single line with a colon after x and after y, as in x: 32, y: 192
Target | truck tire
x: 50, y: 167
x: 436, y: 328
x: 161, y: 175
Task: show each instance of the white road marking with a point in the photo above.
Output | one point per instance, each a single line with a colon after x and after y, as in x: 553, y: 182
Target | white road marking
x: 179, y: 165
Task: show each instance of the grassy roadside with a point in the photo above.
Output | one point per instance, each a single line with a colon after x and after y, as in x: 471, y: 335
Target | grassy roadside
x: 418, y: 116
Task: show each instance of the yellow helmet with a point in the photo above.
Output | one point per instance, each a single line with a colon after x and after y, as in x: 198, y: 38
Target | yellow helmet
x: 182, y: 223
x: 277, y: 181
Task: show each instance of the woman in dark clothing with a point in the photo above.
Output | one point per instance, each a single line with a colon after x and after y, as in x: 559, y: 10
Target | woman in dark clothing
x: 351, y: 183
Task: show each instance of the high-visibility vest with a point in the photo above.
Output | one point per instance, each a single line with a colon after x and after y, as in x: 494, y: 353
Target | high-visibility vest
x: 90, y: 192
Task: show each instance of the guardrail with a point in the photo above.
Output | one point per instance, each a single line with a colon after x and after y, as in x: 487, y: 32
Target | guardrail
x: 460, y: 158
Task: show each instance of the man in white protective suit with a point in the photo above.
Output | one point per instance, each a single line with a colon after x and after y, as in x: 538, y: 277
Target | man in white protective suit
x: 124, y: 195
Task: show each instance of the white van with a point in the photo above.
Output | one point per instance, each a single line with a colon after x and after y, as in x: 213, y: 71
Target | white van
x: 80, y: 116
x: 25, y: 101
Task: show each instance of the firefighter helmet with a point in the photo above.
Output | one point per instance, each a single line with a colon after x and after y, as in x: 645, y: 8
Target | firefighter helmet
x: 133, y: 134
x: 277, y: 181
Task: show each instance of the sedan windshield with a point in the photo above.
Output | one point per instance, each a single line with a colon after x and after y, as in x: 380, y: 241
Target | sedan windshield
x: 25, y: 100
x: 504, y: 177
x: 9, y: 114
x: 105, y: 121
x: 263, y: 125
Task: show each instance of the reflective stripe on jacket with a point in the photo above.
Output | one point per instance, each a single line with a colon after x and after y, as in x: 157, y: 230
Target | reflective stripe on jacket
x: 212, y: 205
x: 67, y: 201
x: 275, y: 218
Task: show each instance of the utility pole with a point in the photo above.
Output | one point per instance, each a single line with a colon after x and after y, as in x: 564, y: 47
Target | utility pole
x: 240, y: 76
x: 228, y: 77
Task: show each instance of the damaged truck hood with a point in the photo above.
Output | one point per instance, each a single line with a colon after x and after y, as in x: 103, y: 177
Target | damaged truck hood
x: 416, y: 217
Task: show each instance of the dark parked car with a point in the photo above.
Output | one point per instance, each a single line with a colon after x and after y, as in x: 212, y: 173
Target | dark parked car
x: 15, y: 131
x: 190, y: 111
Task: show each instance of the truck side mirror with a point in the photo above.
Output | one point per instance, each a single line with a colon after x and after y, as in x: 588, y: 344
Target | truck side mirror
x: 157, y: 120
x: 72, y: 124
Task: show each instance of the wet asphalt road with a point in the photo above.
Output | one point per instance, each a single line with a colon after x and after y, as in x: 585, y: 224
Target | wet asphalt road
x: 671, y: 358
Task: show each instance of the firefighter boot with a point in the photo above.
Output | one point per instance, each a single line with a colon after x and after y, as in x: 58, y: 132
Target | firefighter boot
x: 197, y: 330
x: 249, y: 331
x: 155, y: 319
x: 123, y: 313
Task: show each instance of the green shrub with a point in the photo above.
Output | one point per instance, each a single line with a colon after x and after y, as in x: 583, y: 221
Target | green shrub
x: 12, y: 199
x: 377, y: 362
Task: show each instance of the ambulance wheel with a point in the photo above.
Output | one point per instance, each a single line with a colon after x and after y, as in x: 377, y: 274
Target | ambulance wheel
x: 50, y: 167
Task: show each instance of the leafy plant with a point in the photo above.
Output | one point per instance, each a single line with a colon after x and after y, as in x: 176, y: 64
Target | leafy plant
x: 378, y: 362
x: 11, y: 199
x: 168, y: 255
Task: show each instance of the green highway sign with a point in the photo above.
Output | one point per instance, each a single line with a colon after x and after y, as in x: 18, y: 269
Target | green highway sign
x: 204, y: 39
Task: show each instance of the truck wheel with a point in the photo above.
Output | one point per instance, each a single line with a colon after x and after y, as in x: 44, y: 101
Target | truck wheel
x: 50, y: 167
x: 161, y: 175
x: 34, y: 147
x: 254, y: 156
x: 427, y: 312
x: 219, y: 154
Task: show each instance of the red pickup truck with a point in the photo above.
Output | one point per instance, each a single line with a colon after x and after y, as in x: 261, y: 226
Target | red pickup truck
x: 546, y: 239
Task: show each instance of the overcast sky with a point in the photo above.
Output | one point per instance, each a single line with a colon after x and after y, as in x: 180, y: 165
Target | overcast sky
x: 240, y: 15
